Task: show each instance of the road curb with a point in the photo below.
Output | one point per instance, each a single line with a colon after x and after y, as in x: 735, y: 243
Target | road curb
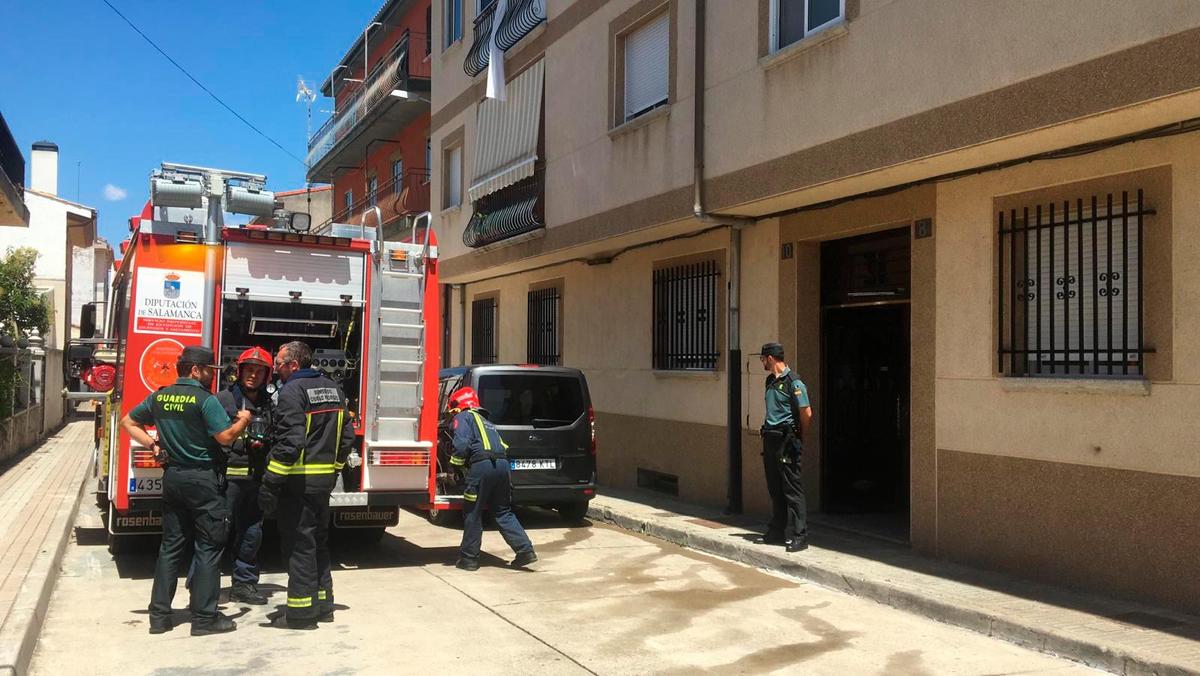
x: 19, y: 635
x: 1026, y: 635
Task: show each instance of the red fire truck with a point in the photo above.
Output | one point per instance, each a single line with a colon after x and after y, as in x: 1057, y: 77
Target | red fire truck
x: 367, y: 307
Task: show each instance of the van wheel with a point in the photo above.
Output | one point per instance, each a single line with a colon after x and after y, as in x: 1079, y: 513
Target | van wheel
x: 573, y: 512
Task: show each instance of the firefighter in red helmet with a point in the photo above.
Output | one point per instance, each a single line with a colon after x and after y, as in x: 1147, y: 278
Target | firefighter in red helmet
x: 247, y: 462
x: 480, y: 453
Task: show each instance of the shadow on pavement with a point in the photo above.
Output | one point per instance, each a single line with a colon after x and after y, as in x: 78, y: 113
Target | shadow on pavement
x: 901, y: 556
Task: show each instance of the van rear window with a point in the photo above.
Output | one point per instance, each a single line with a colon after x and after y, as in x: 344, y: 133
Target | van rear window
x: 531, y: 400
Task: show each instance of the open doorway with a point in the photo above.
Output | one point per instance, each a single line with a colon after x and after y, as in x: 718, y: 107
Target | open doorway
x: 866, y: 384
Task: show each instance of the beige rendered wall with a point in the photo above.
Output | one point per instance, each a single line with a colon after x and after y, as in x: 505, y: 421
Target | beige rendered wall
x: 587, y: 169
x: 900, y: 57
x: 671, y: 422
x: 1093, y: 487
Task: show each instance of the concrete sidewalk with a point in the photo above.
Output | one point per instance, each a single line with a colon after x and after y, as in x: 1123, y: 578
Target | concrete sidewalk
x: 1117, y: 636
x: 39, y: 496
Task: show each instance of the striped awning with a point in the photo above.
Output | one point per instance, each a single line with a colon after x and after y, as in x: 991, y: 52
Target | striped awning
x: 507, y: 134
x: 511, y: 212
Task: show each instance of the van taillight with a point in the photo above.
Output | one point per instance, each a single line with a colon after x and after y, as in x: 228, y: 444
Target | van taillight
x: 592, y: 425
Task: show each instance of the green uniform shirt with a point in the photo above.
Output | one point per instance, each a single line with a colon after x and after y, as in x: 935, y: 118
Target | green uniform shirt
x: 187, y: 416
x: 779, y: 388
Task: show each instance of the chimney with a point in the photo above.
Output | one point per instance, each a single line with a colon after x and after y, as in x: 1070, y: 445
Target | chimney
x: 43, y: 172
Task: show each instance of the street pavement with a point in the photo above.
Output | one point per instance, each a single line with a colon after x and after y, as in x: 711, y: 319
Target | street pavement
x: 601, y: 600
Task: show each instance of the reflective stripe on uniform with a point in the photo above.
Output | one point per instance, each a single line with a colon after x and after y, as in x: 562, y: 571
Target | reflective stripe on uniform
x: 305, y: 468
x: 458, y: 460
x: 237, y: 471
x: 487, y: 445
x: 470, y: 497
x: 321, y: 596
x: 300, y: 602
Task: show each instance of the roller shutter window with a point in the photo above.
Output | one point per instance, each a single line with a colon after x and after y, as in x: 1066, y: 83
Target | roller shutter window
x: 647, y: 66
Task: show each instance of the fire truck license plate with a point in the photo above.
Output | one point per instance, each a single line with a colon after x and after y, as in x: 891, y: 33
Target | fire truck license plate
x: 533, y: 464
x: 145, y: 485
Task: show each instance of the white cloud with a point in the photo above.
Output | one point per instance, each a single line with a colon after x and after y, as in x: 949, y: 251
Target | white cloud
x: 114, y: 194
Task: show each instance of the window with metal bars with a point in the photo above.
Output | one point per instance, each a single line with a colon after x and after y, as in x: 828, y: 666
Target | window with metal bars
x: 685, y: 317
x: 483, y: 331
x: 1070, y: 287
x: 544, y: 322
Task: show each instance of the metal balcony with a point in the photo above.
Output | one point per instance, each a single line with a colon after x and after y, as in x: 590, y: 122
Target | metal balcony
x: 394, y: 94
x: 12, y: 180
x: 395, y: 199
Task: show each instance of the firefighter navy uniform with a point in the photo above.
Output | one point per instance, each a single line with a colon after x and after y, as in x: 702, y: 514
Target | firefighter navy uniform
x: 246, y: 462
x: 187, y: 416
x: 313, y: 435
x: 480, y: 453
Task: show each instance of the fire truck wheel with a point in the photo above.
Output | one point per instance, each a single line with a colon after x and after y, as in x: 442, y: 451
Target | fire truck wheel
x: 445, y: 518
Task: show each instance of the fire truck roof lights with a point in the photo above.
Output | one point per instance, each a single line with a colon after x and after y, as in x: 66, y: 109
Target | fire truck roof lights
x: 284, y: 236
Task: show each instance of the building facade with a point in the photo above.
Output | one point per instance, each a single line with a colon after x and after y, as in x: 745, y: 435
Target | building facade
x: 373, y: 149
x: 969, y: 226
x: 12, y: 180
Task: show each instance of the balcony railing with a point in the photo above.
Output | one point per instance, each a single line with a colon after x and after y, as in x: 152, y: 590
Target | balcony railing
x: 404, y: 61
x: 12, y: 162
x: 519, y: 20
x: 395, y: 198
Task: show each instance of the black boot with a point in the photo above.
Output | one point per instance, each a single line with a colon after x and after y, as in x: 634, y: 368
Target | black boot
x: 161, y: 626
x: 524, y: 559
x: 467, y: 564
x: 797, y: 545
x: 218, y: 625
x: 246, y: 592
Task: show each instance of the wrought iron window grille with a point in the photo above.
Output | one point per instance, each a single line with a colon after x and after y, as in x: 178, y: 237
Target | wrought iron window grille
x: 484, y: 313
x: 1070, y: 299
x: 685, y: 311
x: 544, y: 323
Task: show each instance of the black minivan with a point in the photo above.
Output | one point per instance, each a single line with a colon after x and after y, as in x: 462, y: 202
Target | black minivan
x: 544, y: 414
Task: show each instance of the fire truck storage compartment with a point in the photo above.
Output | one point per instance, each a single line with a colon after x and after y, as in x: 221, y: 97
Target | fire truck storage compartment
x: 334, y: 332
x: 280, y: 271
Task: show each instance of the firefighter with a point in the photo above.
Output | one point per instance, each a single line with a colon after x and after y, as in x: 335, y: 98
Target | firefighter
x: 192, y: 426
x: 313, y: 435
x: 788, y: 415
x: 479, y: 453
x: 247, y: 460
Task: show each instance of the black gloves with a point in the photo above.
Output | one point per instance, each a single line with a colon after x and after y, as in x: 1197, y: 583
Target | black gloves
x: 268, y: 497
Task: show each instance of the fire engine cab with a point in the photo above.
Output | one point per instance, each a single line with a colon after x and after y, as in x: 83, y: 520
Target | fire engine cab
x: 367, y: 307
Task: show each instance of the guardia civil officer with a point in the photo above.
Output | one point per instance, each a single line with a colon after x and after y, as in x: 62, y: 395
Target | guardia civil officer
x: 788, y: 416
x: 313, y: 435
x: 479, y: 452
x: 247, y: 460
x: 192, y: 426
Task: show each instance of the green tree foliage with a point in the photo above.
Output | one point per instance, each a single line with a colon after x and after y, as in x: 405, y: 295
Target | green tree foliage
x: 22, y: 307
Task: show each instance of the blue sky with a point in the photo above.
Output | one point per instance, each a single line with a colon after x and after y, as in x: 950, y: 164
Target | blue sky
x: 76, y: 74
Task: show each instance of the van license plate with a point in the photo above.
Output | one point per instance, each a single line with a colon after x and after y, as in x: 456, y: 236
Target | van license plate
x: 533, y: 464
x: 145, y: 486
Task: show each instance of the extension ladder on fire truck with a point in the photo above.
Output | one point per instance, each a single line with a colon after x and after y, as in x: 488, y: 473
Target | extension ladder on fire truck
x: 399, y: 344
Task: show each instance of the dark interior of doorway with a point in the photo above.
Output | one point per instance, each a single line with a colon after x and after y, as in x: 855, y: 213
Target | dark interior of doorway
x: 866, y: 384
